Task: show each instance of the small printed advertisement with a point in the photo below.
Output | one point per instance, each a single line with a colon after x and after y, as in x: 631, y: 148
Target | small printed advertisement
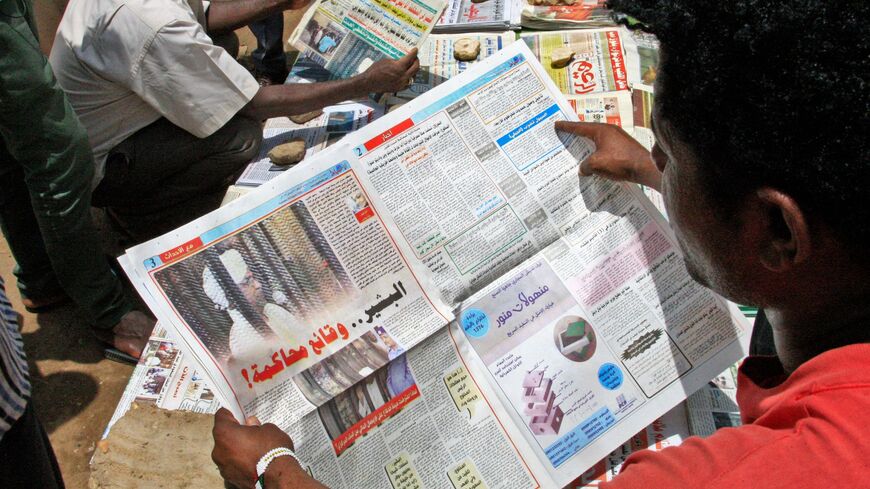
x: 562, y: 381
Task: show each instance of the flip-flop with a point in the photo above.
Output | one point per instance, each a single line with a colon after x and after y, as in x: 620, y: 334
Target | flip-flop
x: 117, y: 355
x: 109, y: 350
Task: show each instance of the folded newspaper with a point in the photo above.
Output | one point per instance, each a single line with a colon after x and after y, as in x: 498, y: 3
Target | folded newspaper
x: 341, y: 38
x: 580, y: 14
x: 476, y: 15
x: 443, y: 271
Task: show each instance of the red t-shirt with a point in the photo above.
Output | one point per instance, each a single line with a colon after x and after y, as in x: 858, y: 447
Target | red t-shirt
x: 809, y: 430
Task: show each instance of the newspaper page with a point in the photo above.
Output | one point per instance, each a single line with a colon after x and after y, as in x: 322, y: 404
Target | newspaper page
x: 603, y: 331
x: 668, y: 431
x: 166, y: 378
x: 421, y: 421
x: 437, y: 63
x: 605, y: 107
x: 465, y: 15
x: 318, y: 133
x: 714, y: 405
x: 598, y: 64
x: 473, y: 173
x: 642, y: 57
x: 278, y: 131
x: 286, y: 295
x: 582, y: 14
x: 341, y: 38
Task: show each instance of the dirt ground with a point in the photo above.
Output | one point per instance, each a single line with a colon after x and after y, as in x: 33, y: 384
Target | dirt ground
x: 75, y: 389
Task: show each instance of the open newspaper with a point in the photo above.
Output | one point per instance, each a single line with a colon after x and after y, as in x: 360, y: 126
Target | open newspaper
x: 466, y: 15
x: 443, y: 271
x: 341, y: 38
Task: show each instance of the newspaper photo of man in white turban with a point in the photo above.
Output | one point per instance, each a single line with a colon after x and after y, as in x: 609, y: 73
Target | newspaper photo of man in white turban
x: 279, y: 322
x: 261, y: 288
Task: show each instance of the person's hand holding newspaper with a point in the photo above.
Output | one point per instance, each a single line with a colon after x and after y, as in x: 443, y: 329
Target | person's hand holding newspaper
x: 239, y: 450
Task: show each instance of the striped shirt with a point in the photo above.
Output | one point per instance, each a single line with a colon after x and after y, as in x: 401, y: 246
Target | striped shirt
x: 14, y: 380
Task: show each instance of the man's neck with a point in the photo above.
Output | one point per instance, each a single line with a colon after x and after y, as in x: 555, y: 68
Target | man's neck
x: 801, y: 333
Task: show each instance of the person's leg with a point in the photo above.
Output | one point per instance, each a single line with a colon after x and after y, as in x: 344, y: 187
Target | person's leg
x: 269, y: 58
x: 36, y: 280
x: 162, y: 176
x: 49, y: 161
x: 27, y: 458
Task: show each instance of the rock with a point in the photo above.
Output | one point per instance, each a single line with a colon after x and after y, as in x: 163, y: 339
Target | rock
x: 288, y: 153
x: 466, y: 49
x: 303, y: 118
x: 561, y: 56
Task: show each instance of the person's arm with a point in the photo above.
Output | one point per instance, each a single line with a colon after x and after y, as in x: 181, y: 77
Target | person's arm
x: 238, y: 448
x: 617, y: 156
x: 386, y: 75
x: 228, y: 16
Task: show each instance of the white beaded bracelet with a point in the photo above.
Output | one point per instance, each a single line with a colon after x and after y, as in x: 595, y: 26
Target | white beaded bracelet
x: 267, y: 459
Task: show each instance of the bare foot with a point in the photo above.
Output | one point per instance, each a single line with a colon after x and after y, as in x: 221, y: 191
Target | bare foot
x: 131, y: 334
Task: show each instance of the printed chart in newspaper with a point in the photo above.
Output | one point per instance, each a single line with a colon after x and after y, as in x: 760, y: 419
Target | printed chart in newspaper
x: 342, y: 38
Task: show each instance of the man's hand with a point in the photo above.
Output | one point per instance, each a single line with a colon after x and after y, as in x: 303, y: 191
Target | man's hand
x: 617, y: 157
x: 390, y: 75
x: 238, y: 448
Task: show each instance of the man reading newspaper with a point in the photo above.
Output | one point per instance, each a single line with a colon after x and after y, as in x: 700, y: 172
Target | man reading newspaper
x: 171, y: 116
x: 761, y: 155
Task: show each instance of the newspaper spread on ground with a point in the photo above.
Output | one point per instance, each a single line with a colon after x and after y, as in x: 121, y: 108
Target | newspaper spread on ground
x: 341, y: 38
x: 318, y: 133
x: 598, y: 64
x: 466, y: 15
x: 576, y: 322
x: 582, y: 14
x: 437, y: 63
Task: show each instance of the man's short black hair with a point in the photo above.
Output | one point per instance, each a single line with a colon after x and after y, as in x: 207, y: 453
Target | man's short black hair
x: 771, y: 93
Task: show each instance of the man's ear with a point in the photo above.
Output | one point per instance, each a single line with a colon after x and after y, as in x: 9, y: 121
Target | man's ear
x: 784, y: 233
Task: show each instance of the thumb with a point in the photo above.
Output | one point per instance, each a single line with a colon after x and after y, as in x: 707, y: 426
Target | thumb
x: 252, y: 421
x: 409, y: 58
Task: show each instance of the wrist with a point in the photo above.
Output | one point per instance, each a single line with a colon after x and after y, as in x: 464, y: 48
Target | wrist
x: 361, y: 85
x: 284, y: 472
